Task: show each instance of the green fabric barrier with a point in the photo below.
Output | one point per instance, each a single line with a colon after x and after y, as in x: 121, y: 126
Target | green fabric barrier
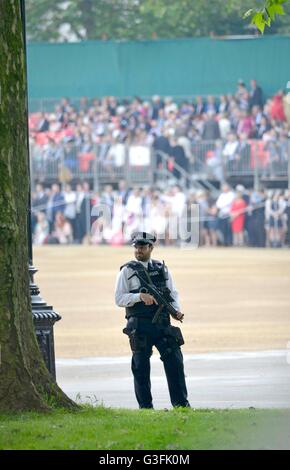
x: 178, y: 68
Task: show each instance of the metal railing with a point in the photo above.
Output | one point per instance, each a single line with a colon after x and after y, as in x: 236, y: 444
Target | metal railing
x: 210, y: 161
x: 220, y: 160
x: 48, y: 105
x: 67, y: 162
x: 168, y: 172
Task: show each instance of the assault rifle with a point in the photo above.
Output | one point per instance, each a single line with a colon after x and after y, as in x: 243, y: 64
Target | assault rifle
x: 162, y: 296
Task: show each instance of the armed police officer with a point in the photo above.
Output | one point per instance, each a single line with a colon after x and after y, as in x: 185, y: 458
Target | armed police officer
x: 146, y: 290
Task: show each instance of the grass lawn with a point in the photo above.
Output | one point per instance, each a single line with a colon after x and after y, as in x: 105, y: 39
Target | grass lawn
x: 107, y: 428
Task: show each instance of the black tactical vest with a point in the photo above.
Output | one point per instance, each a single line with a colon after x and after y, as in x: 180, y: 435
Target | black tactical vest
x: 158, y: 276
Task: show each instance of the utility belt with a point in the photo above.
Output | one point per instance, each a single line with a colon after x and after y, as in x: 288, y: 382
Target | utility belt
x: 163, y: 320
x: 140, y: 321
x: 171, y: 338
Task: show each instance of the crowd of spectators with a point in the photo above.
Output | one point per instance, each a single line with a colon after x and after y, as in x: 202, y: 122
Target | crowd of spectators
x: 227, y: 127
x: 236, y: 216
x: 71, y: 133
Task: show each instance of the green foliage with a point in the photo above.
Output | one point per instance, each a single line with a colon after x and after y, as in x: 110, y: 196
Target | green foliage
x: 85, y: 19
x: 264, y: 16
x: 143, y: 19
x: 107, y: 428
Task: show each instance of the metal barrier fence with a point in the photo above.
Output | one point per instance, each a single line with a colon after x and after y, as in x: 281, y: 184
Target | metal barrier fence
x: 222, y: 160
x: 48, y: 105
x: 141, y: 165
x: 102, y: 164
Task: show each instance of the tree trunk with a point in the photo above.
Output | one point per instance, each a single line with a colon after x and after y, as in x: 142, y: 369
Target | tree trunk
x: 87, y: 15
x: 25, y: 383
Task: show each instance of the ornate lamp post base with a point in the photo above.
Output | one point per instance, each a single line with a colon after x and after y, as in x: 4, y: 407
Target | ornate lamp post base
x: 44, y: 317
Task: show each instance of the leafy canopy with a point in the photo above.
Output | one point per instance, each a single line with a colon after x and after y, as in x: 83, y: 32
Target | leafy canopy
x: 77, y: 20
x: 264, y: 16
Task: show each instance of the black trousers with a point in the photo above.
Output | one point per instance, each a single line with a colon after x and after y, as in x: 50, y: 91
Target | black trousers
x: 145, y: 336
x: 225, y: 228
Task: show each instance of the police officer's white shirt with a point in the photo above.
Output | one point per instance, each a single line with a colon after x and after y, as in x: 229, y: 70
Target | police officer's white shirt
x: 124, y: 298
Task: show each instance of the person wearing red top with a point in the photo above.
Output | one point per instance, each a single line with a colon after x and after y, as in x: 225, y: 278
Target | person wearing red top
x: 277, y: 108
x: 238, y: 219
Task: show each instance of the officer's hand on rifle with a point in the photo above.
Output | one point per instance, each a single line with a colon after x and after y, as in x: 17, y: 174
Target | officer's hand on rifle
x: 179, y: 316
x: 147, y: 299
